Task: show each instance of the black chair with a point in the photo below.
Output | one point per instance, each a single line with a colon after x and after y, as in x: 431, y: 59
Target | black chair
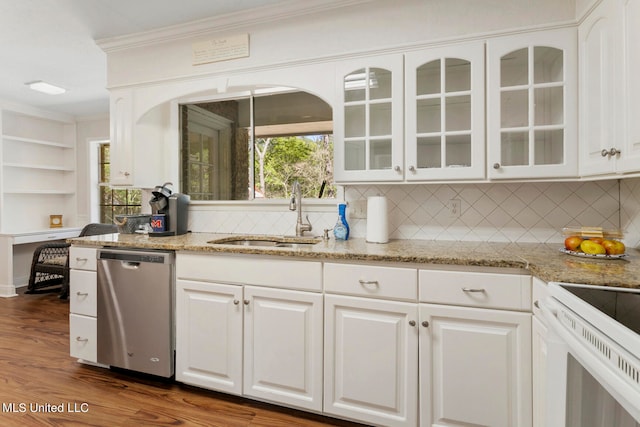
x: 50, y: 264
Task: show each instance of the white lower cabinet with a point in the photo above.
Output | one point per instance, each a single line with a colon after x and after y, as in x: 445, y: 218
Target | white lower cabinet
x: 371, y: 360
x: 283, y: 346
x: 83, y: 305
x: 382, y: 345
x: 255, y: 341
x: 475, y: 349
x: 474, y: 367
x: 209, y: 335
x: 539, y: 355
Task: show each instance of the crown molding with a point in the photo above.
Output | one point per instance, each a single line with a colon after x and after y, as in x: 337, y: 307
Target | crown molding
x: 229, y: 22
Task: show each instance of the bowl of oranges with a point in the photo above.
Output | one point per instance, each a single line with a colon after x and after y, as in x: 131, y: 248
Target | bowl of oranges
x: 593, y: 242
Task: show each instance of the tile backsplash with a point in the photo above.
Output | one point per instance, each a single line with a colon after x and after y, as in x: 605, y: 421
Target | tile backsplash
x: 493, y: 212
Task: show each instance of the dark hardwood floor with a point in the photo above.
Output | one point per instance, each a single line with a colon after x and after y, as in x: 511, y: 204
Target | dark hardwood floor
x: 38, y: 378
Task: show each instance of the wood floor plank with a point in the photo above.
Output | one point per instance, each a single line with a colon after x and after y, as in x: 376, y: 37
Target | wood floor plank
x: 38, y: 378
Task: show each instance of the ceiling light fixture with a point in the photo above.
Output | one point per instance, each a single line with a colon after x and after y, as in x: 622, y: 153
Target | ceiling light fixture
x: 45, y: 87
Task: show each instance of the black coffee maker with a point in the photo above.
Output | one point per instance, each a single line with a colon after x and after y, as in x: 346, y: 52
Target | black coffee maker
x: 170, y: 211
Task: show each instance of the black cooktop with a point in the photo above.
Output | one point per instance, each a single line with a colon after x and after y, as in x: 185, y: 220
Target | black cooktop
x: 622, y: 305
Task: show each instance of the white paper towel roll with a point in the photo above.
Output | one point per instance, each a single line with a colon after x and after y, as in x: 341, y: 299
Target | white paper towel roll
x: 377, y: 220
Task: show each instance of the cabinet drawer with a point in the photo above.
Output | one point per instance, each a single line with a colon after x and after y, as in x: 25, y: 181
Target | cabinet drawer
x: 83, y: 337
x: 372, y: 281
x: 251, y: 270
x: 83, y: 292
x: 489, y: 290
x: 82, y: 258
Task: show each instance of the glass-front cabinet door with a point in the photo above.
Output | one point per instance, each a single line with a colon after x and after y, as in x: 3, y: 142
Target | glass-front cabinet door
x: 368, y: 120
x: 444, y: 107
x: 532, y: 105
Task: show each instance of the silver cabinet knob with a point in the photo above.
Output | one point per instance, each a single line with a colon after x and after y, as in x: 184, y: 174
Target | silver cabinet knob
x: 613, y: 151
x: 425, y: 324
x: 236, y: 302
x: 412, y: 169
x: 246, y: 302
x: 496, y: 165
x: 412, y: 322
x: 396, y: 168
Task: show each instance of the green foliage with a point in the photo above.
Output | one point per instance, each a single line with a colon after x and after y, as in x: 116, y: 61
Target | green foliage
x: 286, y: 159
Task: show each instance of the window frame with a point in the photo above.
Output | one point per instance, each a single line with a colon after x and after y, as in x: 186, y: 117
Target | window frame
x: 265, y: 204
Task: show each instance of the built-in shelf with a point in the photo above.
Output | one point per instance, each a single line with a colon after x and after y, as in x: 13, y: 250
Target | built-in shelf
x: 42, y: 192
x: 34, y: 166
x: 37, y: 141
x: 37, y: 168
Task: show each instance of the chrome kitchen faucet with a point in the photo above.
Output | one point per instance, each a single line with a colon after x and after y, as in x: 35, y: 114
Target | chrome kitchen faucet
x: 296, y: 204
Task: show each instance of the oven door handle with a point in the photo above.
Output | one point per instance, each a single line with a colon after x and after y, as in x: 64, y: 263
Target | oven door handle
x: 621, y: 391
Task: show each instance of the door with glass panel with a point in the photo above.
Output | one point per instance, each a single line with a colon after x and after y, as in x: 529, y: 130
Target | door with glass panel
x: 532, y: 105
x: 368, y: 120
x: 444, y: 107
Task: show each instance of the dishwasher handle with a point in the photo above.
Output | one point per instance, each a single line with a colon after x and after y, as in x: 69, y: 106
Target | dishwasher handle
x: 130, y: 265
x: 135, y: 258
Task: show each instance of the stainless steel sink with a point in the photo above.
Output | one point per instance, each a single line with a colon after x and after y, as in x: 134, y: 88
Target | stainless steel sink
x: 267, y: 241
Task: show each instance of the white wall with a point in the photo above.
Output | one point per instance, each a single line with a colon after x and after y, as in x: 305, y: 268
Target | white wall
x: 88, y: 129
x: 294, y: 36
x: 526, y: 212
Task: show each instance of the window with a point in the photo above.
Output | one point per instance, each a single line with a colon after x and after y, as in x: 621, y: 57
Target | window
x: 114, y: 201
x: 249, y: 147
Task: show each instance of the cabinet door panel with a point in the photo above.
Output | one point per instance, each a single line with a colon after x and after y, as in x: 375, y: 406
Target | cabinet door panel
x: 371, y: 360
x: 83, y: 292
x: 209, y: 335
x: 444, y: 108
x: 597, y: 92
x: 532, y: 105
x: 475, y: 367
x: 630, y: 157
x: 283, y: 346
x: 83, y: 337
x: 368, y: 120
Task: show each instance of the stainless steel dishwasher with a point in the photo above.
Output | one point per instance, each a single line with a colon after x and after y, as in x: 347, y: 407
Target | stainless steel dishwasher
x: 135, y: 310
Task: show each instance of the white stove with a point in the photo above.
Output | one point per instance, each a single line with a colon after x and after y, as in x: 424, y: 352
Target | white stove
x: 594, y: 339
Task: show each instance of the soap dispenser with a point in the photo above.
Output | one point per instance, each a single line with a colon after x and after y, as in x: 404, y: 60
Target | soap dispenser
x: 341, y: 229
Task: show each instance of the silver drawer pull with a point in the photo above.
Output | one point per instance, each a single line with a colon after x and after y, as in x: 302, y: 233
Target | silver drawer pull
x: 473, y: 290
x: 81, y: 259
x: 368, y: 282
x: 80, y: 339
x: 82, y: 294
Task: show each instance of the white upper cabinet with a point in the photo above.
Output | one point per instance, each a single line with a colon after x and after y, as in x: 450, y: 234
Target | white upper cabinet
x: 368, y: 120
x: 121, y: 150
x: 599, y: 123
x: 444, y: 95
x: 532, y: 105
x: 609, y: 89
x: 630, y: 156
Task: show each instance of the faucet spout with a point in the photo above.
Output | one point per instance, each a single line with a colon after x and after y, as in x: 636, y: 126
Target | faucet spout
x: 295, y: 204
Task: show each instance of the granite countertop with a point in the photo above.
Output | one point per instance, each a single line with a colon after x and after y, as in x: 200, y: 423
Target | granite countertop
x: 544, y: 261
